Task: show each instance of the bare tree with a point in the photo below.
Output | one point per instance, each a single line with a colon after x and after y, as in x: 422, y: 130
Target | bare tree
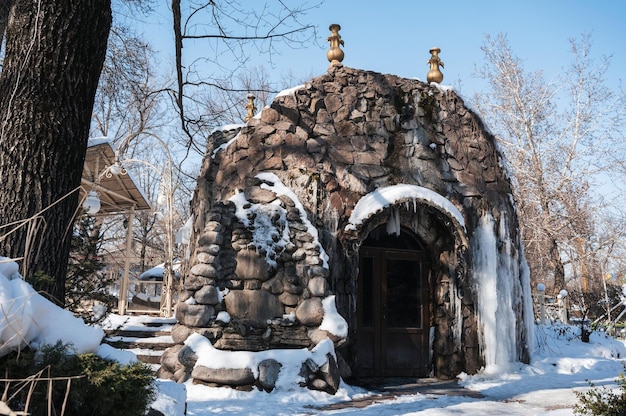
x: 128, y: 102
x: 229, y: 30
x: 555, y: 135
x: 53, y: 58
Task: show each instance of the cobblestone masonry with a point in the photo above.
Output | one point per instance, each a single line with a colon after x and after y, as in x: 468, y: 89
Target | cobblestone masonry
x: 330, y: 142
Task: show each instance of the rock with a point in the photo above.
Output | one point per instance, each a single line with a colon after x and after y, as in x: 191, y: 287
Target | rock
x: 224, y: 376
x: 207, y: 295
x: 165, y: 374
x: 269, y: 115
x: 169, y: 358
x: 180, y: 333
x: 210, y: 237
x: 204, y: 270
x: 194, y: 282
x: 181, y: 375
x: 310, y: 312
x: 274, y: 286
x: 289, y: 299
x: 259, y: 195
x: 329, y: 371
x: 318, y: 384
x: 252, y: 284
x: 268, y: 374
x: 212, y: 334
x: 187, y: 357
x: 253, y: 305
x: 194, y: 315
x: 318, y: 335
x: 292, y: 288
x: 205, y: 258
x: 317, y: 286
x: 246, y: 342
x: 250, y: 265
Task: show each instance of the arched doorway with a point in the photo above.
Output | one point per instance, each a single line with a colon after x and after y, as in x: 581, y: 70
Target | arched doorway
x: 393, y: 306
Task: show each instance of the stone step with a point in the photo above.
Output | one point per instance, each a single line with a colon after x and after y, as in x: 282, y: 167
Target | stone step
x: 136, y: 333
x: 156, y: 344
x: 147, y: 341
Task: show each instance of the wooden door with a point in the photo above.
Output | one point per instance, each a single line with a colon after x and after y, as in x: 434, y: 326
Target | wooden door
x: 393, y: 318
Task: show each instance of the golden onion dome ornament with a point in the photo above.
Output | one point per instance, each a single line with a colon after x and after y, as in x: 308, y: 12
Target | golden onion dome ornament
x: 335, y: 54
x: 250, y: 108
x: 434, y: 75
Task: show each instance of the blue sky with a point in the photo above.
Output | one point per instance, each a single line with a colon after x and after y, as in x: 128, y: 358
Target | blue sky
x: 395, y: 36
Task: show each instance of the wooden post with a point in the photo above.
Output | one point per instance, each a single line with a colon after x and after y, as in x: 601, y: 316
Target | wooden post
x: 123, y: 296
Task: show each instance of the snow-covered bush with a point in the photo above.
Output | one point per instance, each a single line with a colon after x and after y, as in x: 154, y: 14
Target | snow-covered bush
x: 603, y: 400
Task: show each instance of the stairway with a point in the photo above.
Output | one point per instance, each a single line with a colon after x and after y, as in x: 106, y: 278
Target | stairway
x: 146, y: 336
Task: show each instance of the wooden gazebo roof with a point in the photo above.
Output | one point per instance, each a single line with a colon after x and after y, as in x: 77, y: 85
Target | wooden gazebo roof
x: 117, y: 193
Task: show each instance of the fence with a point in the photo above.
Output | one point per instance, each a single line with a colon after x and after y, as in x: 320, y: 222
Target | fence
x: 18, y: 394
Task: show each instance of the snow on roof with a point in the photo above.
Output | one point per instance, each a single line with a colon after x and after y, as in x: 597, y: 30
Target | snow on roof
x: 155, y: 272
x: 228, y: 127
x: 95, y: 141
x: 158, y: 270
x: 290, y: 91
x: 224, y: 146
x: 386, y: 196
x: 442, y: 88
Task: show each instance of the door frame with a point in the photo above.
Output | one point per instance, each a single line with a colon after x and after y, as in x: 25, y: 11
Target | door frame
x: 377, y: 334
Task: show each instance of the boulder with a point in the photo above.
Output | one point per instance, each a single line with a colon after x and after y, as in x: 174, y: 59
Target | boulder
x: 207, y: 295
x: 268, y: 374
x: 194, y: 315
x: 224, y: 376
x: 250, y: 265
x: 310, y: 312
x: 318, y: 286
x: 253, y: 305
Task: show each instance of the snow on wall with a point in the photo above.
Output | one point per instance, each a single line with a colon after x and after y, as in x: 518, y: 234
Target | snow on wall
x: 291, y: 359
x: 332, y: 321
x: 270, y: 227
x: 280, y: 189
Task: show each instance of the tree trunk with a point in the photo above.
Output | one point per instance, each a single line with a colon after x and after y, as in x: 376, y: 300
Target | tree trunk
x: 557, y: 266
x: 54, y: 54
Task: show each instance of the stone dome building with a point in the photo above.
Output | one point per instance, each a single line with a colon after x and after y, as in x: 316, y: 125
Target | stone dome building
x: 381, y: 198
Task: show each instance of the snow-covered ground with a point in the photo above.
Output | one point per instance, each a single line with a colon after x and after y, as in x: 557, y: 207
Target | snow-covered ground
x: 561, y: 364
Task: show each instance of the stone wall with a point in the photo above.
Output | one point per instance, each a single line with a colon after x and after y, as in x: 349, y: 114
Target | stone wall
x: 296, y: 171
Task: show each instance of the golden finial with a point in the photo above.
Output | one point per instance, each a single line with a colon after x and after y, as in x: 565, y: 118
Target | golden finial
x: 434, y: 75
x: 250, y: 107
x: 334, y: 54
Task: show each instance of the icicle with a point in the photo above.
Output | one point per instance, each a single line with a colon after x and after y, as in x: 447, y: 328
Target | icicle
x: 486, y: 272
x: 393, y: 224
x: 501, y: 290
x: 457, y: 328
